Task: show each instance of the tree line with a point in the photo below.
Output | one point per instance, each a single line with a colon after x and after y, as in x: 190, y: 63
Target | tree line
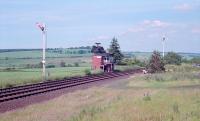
x: 156, y: 63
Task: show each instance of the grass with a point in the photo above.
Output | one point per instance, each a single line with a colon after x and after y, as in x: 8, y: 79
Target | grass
x: 20, y: 76
x: 22, y: 62
x: 25, y: 76
x: 163, y: 106
x: 34, y: 54
x: 19, y: 60
x: 132, y: 103
x: 178, y: 75
x: 122, y: 68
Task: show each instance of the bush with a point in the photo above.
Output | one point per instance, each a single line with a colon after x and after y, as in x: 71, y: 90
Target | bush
x: 175, y: 108
x: 133, y: 61
x: 147, y: 98
x: 156, y: 63
x: 40, y: 65
x: 69, y: 65
x: 76, y: 64
x: 173, y: 58
x: 50, y: 66
x: 196, y: 60
x: 9, y: 69
x: 87, y: 72
x: 8, y: 85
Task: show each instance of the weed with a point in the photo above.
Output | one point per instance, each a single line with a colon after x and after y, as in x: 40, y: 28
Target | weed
x: 175, y: 107
x: 147, y: 98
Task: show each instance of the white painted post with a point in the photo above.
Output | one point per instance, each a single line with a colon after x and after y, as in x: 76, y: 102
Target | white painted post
x: 43, y: 28
x: 163, y: 44
x: 44, y: 32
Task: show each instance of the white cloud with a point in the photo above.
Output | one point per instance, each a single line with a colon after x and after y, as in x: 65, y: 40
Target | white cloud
x: 155, y: 23
x: 148, y: 26
x: 183, y: 7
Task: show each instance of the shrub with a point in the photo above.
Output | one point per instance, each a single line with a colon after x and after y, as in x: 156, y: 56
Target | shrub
x: 147, y: 98
x: 69, y: 65
x: 38, y: 65
x: 175, y: 108
x: 132, y: 61
x: 196, y: 60
x: 50, y: 66
x: 87, y: 72
x: 173, y: 58
x: 156, y: 63
x: 9, y: 69
x: 76, y: 64
x: 8, y: 85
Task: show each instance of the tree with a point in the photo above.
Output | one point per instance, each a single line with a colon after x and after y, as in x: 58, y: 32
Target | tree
x: 115, y: 51
x: 97, y: 49
x: 156, y: 63
x: 76, y: 64
x: 195, y: 60
x: 173, y: 58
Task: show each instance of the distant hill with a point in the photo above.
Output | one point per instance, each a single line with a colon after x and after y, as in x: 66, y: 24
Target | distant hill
x: 146, y: 55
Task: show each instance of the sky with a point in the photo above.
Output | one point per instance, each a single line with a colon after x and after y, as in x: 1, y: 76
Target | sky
x: 139, y: 25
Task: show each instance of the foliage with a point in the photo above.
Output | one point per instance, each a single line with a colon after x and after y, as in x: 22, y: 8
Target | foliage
x: 147, y: 98
x: 175, y: 107
x: 87, y: 72
x: 76, y: 64
x: 115, y: 51
x: 173, y: 58
x: 97, y: 49
x: 133, y: 61
x: 50, y: 66
x: 185, y: 74
x: 39, y: 65
x: 156, y: 63
x: 195, y: 60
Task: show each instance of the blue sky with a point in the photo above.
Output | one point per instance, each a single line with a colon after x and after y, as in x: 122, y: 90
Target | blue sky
x: 138, y: 25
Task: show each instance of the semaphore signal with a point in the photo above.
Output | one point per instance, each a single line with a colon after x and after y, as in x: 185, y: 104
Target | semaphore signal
x: 163, y: 44
x: 43, y: 28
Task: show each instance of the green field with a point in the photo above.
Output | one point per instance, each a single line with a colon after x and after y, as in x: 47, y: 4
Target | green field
x: 18, y: 67
x: 21, y: 67
x: 25, y: 76
x: 20, y: 59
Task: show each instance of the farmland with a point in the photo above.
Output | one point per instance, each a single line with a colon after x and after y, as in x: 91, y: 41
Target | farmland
x: 23, y: 67
x: 170, y: 96
x: 19, y: 67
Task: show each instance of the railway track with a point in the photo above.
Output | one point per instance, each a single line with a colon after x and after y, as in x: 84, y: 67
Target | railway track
x: 12, y: 93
